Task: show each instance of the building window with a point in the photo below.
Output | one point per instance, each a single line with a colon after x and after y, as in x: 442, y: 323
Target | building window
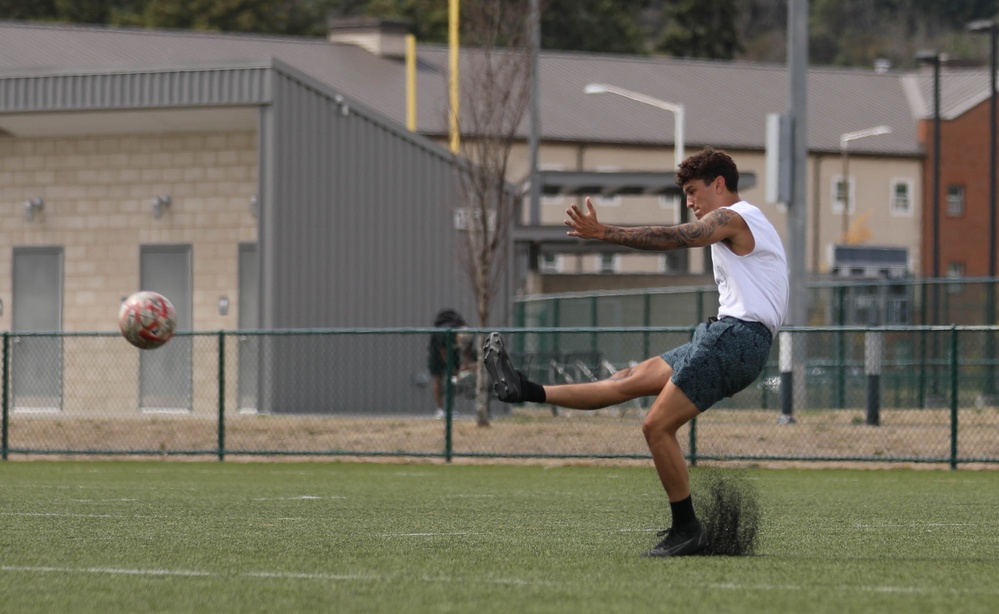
x: 607, y: 263
x: 607, y: 201
x: 550, y: 263
x: 901, y: 197
x: 955, y: 200
x: 838, y: 187
x: 554, y: 199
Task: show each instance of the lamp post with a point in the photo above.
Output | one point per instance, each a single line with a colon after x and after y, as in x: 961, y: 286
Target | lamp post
x: 674, y: 108
x: 844, y: 142
x: 935, y: 59
x: 990, y: 26
x: 979, y: 27
x: 678, y: 125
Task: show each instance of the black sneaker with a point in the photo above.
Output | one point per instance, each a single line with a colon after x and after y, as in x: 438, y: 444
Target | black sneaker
x: 506, y: 380
x: 680, y: 543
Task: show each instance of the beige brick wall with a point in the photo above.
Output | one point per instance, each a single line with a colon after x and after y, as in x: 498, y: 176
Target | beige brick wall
x: 98, y: 193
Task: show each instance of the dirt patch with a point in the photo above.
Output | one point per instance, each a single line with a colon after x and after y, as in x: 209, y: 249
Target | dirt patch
x: 747, y: 437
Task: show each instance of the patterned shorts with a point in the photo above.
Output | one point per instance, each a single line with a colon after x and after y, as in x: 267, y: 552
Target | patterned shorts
x: 723, y: 357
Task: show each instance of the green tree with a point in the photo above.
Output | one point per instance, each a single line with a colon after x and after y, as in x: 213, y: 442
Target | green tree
x: 700, y: 29
x: 429, y: 18
x: 603, y: 26
x: 28, y: 9
x: 265, y: 16
x: 83, y: 11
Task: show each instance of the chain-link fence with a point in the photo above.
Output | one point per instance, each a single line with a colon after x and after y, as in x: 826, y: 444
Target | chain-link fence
x: 863, y: 302
x: 894, y: 394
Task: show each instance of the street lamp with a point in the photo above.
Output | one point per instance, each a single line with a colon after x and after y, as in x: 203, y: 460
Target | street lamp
x: 676, y: 109
x: 844, y: 142
x: 935, y: 59
x: 979, y: 27
x: 678, y: 125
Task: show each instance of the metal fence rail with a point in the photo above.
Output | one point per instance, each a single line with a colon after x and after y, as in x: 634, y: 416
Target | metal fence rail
x: 366, y: 393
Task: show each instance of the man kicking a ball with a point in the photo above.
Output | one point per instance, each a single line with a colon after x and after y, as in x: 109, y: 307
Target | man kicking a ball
x: 725, y: 355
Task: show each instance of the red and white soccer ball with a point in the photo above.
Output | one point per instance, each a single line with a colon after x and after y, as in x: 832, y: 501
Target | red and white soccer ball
x: 147, y: 320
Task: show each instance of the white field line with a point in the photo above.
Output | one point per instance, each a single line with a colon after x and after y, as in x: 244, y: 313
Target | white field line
x: 328, y: 577
x: 273, y: 575
x: 444, y: 534
x: 56, y: 515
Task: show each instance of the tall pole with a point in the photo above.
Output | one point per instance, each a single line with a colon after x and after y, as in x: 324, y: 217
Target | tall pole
x: 679, y: 123
x: 845, y: 182
x: 792, y: 345
x: 990, y: 303
x: 936, y: 184
x: 535, y: 207
x: 534, y: 140
x: 935, y: 58
x: 454, y: 95
x: 797, y: 26
x: 990, y: 291
x: 993, y: 66
x: 990, y: 26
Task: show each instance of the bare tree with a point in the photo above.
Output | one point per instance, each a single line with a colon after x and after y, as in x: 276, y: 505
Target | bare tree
x: 495, y: 95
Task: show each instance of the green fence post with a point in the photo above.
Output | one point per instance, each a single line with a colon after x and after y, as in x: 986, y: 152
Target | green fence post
x: 921, y: 390
x: 953, y: 397
x: 693, y: 441
x: 594, y: 322
x: 693, y: 428
x: 4, y: 442
x: 449, y: 343
x: 556, y: 317
x: 221, y: 395
x: 839, y: 400
x: 646, y: 322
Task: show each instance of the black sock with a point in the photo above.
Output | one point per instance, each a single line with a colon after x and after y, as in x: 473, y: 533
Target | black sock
x: 683, y: 513
x: 533, y: 393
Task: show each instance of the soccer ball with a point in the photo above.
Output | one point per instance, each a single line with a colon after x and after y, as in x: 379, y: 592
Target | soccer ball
x: 147, y: 320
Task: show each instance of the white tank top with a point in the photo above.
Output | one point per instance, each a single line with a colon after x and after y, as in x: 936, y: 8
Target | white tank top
x: 753, y: 287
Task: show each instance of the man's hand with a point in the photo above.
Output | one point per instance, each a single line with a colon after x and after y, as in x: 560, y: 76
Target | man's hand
x: 584, y: 225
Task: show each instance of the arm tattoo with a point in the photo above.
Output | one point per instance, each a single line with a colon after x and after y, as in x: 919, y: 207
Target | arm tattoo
x: 662, y: 238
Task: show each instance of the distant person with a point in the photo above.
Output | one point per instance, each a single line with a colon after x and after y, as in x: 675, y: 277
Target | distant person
x: 726, y: 354
x: 462, y: 354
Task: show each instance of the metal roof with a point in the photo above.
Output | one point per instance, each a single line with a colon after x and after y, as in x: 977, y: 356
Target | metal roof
x: 726, y: 102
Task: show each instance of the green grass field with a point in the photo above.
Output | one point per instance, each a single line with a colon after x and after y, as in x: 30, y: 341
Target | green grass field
x: 338, y: 537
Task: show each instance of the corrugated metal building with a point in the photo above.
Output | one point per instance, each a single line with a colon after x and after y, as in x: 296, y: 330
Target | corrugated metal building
x: 314, y: 212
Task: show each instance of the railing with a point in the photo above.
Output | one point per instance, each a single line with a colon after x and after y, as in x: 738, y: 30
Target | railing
x: 834, y: 302
x: 366, y: 393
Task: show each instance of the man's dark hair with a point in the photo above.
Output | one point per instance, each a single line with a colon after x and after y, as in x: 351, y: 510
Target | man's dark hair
x: 708, y: 165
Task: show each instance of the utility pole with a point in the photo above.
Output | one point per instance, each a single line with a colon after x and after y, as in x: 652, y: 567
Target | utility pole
x: 792, y: 345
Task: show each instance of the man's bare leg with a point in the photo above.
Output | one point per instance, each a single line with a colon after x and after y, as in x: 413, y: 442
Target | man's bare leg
x: 670, y: 411
x: 643, y: 380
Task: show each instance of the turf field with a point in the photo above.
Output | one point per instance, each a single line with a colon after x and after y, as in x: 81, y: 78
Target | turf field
x: 135, y: 536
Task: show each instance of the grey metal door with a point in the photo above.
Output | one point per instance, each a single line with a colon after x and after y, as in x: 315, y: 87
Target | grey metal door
x: 36, y: 362
x: 249, y: 319
x: 165, y: 374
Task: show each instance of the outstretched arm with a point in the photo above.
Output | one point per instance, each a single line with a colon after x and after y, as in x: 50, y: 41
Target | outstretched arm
x: 716, y: 226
